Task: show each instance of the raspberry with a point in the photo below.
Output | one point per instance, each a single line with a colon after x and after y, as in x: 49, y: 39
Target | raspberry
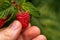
x: 3, y: 21
x: 24, y: 18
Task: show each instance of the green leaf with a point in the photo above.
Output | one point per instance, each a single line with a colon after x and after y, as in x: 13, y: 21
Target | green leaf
x: 11, y: 19
x: 6, y: 9
x: 30, y: 8
x: 35, y: 21
x: 4, y: 6
x: 20, y: 1
x: 2, y: 1
x: 12, y: 12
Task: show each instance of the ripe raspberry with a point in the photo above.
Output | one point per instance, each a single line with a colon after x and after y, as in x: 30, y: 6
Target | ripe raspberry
x: 24, y: 18
x: 3, y: 21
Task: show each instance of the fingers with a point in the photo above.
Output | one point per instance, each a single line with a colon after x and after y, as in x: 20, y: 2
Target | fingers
x: 20, y: 37
x: 13, y: 30
x: 31, y: 33
x: 40, y: 37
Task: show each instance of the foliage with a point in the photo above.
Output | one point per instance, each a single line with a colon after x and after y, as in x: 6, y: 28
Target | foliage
x: 49, y: 17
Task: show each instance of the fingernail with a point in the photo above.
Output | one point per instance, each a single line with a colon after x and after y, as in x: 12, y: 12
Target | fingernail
x: 15, y: 25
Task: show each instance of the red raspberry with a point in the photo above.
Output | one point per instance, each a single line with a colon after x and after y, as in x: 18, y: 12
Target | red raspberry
x: 3, y: 21
x: 24, y: 18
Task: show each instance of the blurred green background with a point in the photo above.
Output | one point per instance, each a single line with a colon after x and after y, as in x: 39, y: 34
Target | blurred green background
x: 49, y: 21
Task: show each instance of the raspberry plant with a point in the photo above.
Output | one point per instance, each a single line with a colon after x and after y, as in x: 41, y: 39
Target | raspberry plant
x: 12, y: 7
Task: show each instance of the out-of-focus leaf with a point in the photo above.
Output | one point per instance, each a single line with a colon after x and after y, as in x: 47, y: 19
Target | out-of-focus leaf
x: 50, y: 21
x: 20, y: 1
x: 2, y: 1
x: 30, y: 8
x: 35, y: 21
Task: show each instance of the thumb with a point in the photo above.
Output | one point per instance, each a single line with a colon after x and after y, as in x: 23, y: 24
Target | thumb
x: 13, y: 30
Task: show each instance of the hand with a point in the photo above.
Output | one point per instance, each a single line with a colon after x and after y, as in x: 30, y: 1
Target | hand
x: 14, y: 32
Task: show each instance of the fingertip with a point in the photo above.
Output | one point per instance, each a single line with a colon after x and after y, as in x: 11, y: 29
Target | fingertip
x: 15, y: 25
x: 40, y: 37
x: 43, y: 37
x: 36, y: 28
x: 31, y: 32
x: 18, y: 22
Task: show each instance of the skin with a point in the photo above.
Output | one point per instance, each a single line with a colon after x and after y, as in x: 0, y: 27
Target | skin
x: 15, y: 32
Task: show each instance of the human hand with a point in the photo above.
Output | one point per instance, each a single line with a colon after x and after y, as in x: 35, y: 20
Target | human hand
x: 14, y: 32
